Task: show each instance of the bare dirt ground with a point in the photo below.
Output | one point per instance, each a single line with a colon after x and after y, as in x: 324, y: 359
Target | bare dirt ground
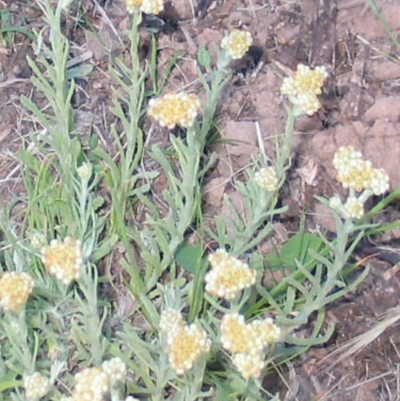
x: 361, y: 107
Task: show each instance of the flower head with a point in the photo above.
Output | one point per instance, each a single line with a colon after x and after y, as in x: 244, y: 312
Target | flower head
x: 248, y: 342
x: 303, y: 87
x: 307, y: 80
x: 335, y: 202
x: 237, y: 43
x: 236, y: 336
x: 228, y: 275
x: 267, y: 179
x: 170, y: 320
x: 346, y: 158
x: 353, y: 208
x: 84, y: 171
x: 251, y: 338
x: 267, y: 330
x: 185, y: 345
x: 36, y: 386
x: 307, y: 103
x: 356, y: 173
x: 146, y: 6
x: 64, y: 260
x: 132, y: 5
x: 152, y: 6
x: 91, y: 384
x: 174, y: 109
x: 115, y: 369
x: 248, y: 365
x: 379, y: 181
x: 15, y: 289
x: 38, y: 239
x: 357, y: 177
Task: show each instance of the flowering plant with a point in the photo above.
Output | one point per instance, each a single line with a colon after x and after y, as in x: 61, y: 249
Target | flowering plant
x: 113, y: 289
x: 303, y: 88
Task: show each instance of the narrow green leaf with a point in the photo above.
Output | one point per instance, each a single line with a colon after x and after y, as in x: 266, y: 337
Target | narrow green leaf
x: 105, y: 247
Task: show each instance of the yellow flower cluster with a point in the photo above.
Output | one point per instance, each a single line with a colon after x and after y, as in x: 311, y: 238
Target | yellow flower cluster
x: 36, y: 386
x: 174, y: 109
x: 90, y: 384
x: 64, y: 260
x: 247, y: 342
x: 237, y: 336
x: 228, y: 275
x: 237, y: 43
x: 249, y: 366
x: 93, y: 383
x: 15, y: 289
x: 146, y: 6
x: 185, y: 343
x: 304, y: 87
x: 356, y: 173
x: 353, y: 208
x: 267, y: 179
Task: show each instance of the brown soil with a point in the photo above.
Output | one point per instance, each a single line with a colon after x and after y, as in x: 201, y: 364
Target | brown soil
x: 361, y: 107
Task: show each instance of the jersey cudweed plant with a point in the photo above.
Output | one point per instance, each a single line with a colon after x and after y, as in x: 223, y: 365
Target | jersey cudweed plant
x: 15, y: 289
x: 304, y: 87
x: 228, y: 275
x: 357, y: 175
x: 98, y: 303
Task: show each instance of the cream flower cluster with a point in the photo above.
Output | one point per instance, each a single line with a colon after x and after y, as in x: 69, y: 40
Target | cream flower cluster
x: 15, y: 289
x: 249, y: 366
x: 237, y: 336
x: 247, y: 342
x: 90, y: 384
x: 303, y: 88
x: 63, y: 259
x: 115, y: 369
x: 38, y: 240
x: 353, y: 208
x: 36, y: 386
x: 237, y: 43
x: 146, y: 6
x: 84, y: 171
x: 358, y: 175
x: 174, y: 109
x: 170, y: 319
x: 267, y: 179
x: 185, y: 343
x: 228, y: 276
x: 94, y: 383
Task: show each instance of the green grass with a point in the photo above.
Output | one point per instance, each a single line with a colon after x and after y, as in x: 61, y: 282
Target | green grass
x: 8, y: 28
x: 388, y: 30
x: 75, y: 187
